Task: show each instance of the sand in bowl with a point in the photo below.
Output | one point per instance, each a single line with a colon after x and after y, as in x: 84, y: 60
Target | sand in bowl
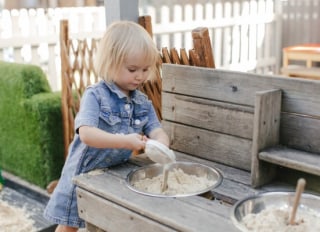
x: 275, y: 219
x: 178, y: 183
x: 286, y: 219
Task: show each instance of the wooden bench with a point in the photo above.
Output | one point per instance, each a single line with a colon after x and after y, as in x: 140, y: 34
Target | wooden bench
x: 245, y: 125
x: 243, y: 120
x: 305, y: 55
x: 301, y: 72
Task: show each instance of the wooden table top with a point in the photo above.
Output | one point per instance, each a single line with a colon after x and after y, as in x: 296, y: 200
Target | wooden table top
x: 303, y: 48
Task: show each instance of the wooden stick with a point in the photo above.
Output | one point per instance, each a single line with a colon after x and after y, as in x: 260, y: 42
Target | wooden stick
x: 299, y: 189
x: 165, y: 178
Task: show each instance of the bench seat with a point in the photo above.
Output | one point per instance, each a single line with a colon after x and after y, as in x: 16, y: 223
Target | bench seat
x: 292, y: 158
x: 301, y: 72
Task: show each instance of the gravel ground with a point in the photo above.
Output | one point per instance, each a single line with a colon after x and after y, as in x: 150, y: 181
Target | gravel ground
x: 19, y: 193
x: 22, y: 195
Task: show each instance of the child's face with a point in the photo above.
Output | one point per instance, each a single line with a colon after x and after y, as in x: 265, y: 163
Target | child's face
x: 133, y: 73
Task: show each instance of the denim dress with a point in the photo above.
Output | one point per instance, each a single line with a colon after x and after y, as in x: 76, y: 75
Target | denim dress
x: 104, y: 106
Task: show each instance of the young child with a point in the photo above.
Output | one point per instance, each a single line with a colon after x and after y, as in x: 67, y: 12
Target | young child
x: 113, y: 114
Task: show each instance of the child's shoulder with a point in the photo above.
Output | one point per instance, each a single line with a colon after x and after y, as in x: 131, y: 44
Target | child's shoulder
x: 98, y: 87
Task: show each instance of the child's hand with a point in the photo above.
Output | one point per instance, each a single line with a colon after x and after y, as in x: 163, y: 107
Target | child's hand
x: 136, y: 141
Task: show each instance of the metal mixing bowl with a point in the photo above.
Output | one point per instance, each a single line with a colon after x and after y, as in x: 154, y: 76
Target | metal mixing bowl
x: 255, y: 204
x: 189, y: 168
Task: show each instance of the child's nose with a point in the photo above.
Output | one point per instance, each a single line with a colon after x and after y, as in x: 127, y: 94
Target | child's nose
x: 139, y: 75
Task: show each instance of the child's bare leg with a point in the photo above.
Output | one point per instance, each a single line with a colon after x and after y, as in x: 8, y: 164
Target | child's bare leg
x: 62, y: 228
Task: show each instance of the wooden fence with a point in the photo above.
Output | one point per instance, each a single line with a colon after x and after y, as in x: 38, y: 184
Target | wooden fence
x: 246, y: 34
x: 32, y: 36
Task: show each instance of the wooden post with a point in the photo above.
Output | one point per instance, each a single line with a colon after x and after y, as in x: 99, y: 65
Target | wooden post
x: 202, y: 52
x: 121, y: 10
x: 266, y: 132
x: 64, y: 51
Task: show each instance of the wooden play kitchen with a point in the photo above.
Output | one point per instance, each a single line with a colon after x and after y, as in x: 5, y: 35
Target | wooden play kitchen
x: 260, y: 132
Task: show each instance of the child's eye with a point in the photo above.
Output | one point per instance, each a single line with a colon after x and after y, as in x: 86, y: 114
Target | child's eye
x: 146, y: 70
x: 131, y: 70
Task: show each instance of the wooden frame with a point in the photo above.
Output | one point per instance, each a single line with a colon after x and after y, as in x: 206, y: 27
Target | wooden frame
x: 243, y: 124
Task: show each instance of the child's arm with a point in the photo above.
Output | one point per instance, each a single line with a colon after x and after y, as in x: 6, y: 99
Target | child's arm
x: 95, y: 137
x: 160, y: 135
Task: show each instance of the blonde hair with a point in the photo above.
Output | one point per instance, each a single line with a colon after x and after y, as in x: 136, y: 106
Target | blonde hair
x: 121, y: 39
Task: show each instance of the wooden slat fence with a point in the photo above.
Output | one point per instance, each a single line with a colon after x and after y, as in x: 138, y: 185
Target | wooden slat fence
x: 32, y: 36
x: 244, y: 33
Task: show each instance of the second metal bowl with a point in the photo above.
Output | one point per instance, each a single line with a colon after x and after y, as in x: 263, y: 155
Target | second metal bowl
x: 280, y: 200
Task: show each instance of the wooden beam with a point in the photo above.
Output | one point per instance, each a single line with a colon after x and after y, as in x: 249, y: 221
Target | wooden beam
x: 266, y: 130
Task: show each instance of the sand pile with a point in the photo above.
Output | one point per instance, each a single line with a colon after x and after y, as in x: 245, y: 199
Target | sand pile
x: 179, y: 182
x: 13, y: 219
x: 275, y: 219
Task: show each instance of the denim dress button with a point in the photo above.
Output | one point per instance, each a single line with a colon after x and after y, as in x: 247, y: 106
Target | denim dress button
x: 137, y: 122
x: 127, y: 107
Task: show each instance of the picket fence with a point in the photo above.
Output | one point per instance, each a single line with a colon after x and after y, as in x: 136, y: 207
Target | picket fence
x: 246, y: 34
x: 32, y: 36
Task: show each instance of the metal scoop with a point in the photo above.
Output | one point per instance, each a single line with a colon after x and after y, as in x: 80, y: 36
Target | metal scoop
x: 159, y: 153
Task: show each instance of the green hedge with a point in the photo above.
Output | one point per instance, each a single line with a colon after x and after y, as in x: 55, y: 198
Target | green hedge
x: 31, y: 143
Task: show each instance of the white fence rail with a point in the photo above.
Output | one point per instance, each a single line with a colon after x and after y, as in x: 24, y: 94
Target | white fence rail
x: 246, y: 34
x: 32, y: 36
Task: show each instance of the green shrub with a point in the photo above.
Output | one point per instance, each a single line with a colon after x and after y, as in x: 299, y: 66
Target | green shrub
x: 31, y: 143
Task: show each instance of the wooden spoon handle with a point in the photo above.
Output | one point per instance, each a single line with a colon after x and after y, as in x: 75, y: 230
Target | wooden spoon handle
x: 299, y: 189
x: 165, y: 178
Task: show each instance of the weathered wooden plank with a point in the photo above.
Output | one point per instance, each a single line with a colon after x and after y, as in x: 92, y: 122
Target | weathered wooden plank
x: 265, y: 134
x: 295, y: 130
x: 210, y: 145
x: 302, y: 72
x: 299, y: 95
x: 300, y: 132
x: 202, y: 45
x: 292, y: 158
x: 184, y: 57
x: 208, y: 114
x: 165, y: 55
x: 189, y: 217
x: 112, y: 217
x: 174, y: 55
x: 236, y: 183
x: 91, y: 228
x: 145, y: 22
